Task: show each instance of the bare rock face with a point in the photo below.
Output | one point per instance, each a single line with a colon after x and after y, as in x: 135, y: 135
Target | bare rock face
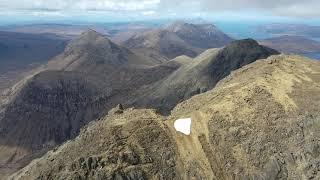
x: 252, y: 125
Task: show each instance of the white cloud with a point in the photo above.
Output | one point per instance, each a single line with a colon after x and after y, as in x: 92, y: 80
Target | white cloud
x: 301, y: 8
x: 48, y: 13
x: 65, y: 5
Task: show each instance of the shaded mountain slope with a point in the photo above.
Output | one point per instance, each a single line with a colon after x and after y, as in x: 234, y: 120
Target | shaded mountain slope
x: 178, y: 39
x: 202, y: 74
x: 253, y: 125
x: 292, y: 44
x: 51, y: 105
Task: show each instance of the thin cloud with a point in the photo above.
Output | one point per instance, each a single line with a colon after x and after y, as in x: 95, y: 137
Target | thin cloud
x: 290, y: 8
x: 80, y: 5
x: 293, y: 8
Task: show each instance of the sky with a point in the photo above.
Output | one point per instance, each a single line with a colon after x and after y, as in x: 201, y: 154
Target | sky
x: 113, y: 10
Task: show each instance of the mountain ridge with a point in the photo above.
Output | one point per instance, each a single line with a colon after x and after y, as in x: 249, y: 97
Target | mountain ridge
x: 58, y: 99
x: 202, y: 73
x: 264, y: 116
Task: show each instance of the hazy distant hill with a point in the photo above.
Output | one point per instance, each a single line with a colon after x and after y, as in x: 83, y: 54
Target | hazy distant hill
x: 72, y: 30
x: 180, y: 38
x: 200, y: 35
x: 291, y: 29
x: 292, y: 44
x: 64, y: 30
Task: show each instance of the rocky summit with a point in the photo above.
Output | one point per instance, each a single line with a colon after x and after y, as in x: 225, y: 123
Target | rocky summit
x: 252, y: 125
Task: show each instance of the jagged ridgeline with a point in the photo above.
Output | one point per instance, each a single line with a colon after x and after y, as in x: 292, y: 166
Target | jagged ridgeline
x: 92, y: 76
x: 252, y: 125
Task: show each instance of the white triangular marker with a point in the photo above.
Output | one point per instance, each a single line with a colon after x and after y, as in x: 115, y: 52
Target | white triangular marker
x: 183, y: 126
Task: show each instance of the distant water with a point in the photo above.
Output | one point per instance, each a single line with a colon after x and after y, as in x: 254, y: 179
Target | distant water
x: 240, y: 30
x: 316, y: 39
x: 312, y: 55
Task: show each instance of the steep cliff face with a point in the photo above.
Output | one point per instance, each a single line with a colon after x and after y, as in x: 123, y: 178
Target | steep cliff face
x: 252, y: 125
x: 51, y: 108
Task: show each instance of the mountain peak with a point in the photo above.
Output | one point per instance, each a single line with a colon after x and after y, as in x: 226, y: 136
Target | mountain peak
x: 90, y: 36
x: 92, y: 33
x: 92, y: 50
x: 181, y: 26
x: 178, y: 26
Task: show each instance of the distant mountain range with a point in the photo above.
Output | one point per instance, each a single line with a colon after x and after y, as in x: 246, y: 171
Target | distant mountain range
x: 291, y: 29
x: 72, y: 30
x: 180, y: 38
x: 292, y: 44
x: 24, y: 47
